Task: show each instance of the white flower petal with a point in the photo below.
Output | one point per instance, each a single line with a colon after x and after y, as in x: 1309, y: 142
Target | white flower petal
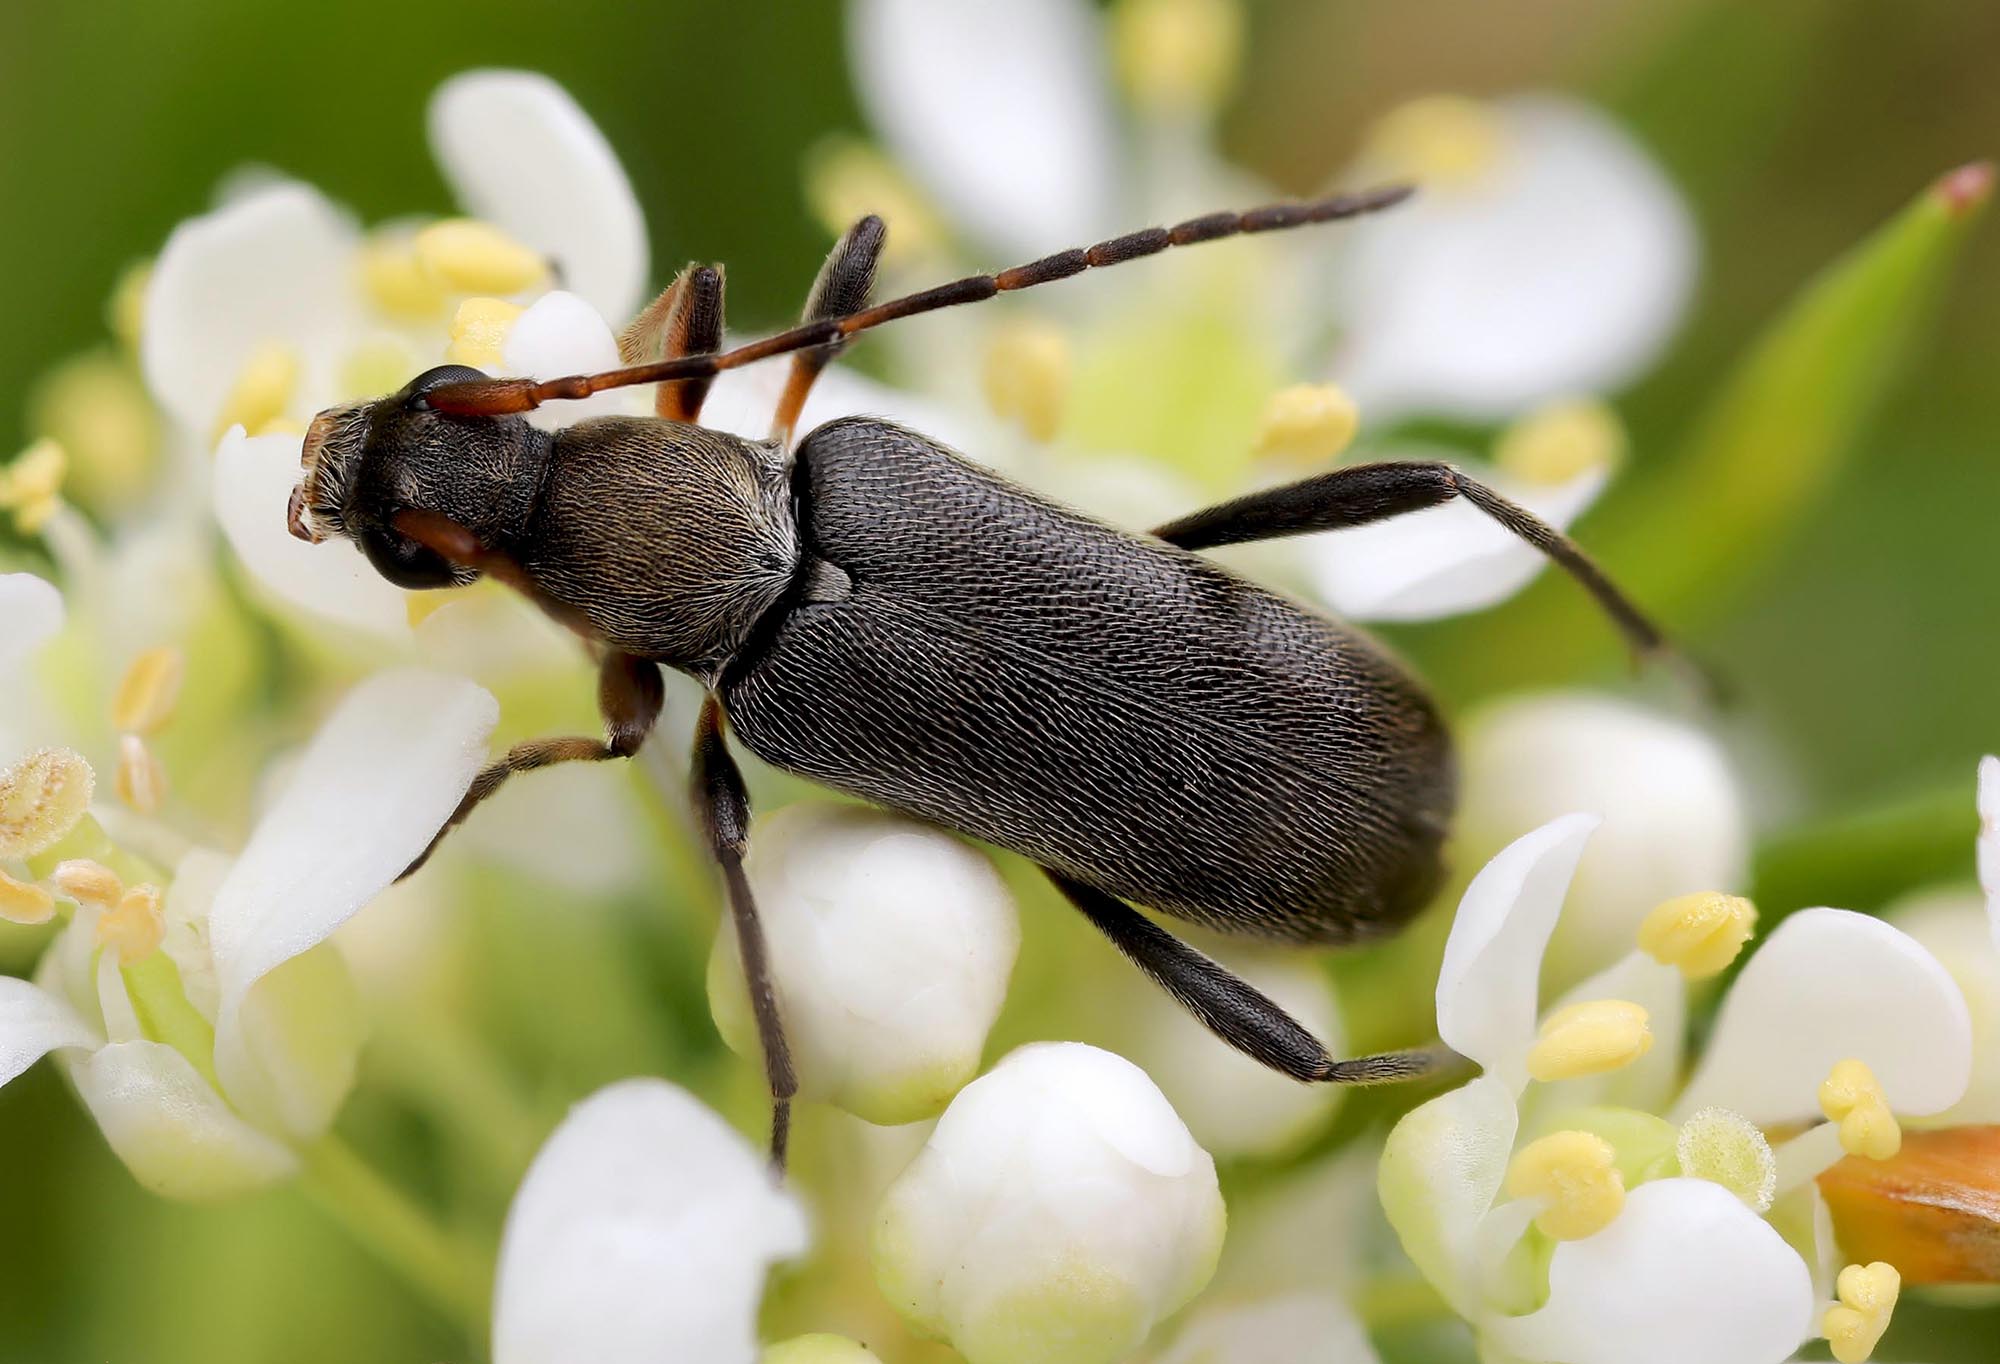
x: 559, y: 335
x: 1059, y: 1209
x: 1989, y: 840
x: 743, y: 401
x: 272, y: 266
x: 641, y: 1234
x: 1444, y: 560
x: 1487, y: 985
x: 1674, y: 813
x: 33, y: 1023
x: 379, y: 779
x: 891, y: 944
x: 31, y: 613
x: 173, y: 1131
x: 1001, y: 107
x: 1685, y: 1272
x: 1829, y: 984
x: 254, y: 478
x: 1955, y: 927
x: 1441, y: 1170
x: 1299, y: 1328
x: 520, y: 153
x: 1564, y: 270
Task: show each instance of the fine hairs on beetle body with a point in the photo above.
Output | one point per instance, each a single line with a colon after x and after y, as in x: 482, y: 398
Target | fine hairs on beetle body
x: 874, y: 612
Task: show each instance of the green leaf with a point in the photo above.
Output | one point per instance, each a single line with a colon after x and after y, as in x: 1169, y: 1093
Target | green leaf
x: 1760, y: 458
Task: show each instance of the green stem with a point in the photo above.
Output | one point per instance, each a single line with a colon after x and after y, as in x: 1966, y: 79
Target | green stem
x: 380, y: 1217
x: 1398, y: 1299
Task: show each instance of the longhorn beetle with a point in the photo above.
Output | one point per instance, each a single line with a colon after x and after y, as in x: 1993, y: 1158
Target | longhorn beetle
x: 874, y: 612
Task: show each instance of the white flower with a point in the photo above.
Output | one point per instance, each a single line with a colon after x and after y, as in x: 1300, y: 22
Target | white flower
x: 1297, y: 1328
x: 1837, y: 1015
x: 31, y: 614
x: 1058, y: 1211
x: 1673, y: 810
x: 1002, y: 107
x: 275, y: 305
x: 214, y: 1035
x: 1547, y: 255
x: 642, y: 1234
x: 890, y: 943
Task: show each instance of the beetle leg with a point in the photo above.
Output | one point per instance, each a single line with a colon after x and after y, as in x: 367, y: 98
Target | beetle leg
x: 841, y: 288
x: 629, y: 694
x: 686, y: 319
x: 1361, y: 493
x: 724, y: 808
x: 1232, y: 1009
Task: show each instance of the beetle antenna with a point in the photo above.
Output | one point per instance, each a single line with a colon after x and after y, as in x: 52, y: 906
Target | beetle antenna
x: 494, y: 397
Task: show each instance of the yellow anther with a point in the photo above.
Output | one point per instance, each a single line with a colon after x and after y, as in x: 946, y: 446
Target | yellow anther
x: 479, y: 332
x: 478, y: 258
x: 1307, y: 424
x: 1868, y: 1296
x: 1556, y: 443
x: 24, y: 902
x: 1726, y: 1148
x: 1177, y: 54
x: 1851, y: 1096
x: 1699, y: 933
x: 263, y: 387
x: 135, y: 926
x: 1441, y: 140
x: 142, y: 782
x: 1590, y: 1038
x: 394, y: 279
x: 846, y: 179
x: 1574, y: 1175
x: 95, y: 407
x: 87, y: 883
x: 31, y: 487
x: 41, y: 798
x: 147, y: 693
x: 1027, y: 376
x: 376, y: 367
x: 126, y: 308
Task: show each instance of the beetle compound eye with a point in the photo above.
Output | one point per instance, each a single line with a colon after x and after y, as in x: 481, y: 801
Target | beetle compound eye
x: 432, y: 379
x: 406, y: 563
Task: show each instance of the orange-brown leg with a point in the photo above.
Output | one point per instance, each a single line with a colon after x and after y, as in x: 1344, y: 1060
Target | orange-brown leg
x: 686, y: 319
x: 841, y: 288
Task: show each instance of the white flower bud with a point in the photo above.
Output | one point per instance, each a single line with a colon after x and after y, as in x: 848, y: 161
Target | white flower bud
x: 1673, y: 813
x: 1058, y: 1211
x: 891, y: 944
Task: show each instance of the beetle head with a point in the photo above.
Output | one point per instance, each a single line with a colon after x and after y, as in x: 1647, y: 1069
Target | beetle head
x: 365, y: 462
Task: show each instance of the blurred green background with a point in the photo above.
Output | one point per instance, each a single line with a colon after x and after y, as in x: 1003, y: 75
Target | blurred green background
x: 1871, y: 654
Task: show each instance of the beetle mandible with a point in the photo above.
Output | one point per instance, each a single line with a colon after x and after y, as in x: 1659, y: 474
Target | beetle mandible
x: 874, y: 612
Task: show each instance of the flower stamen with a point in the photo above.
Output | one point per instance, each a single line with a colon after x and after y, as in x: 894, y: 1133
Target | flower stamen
x: 1868, y: 1296
x: 1026, y: 376
x: 135, y: 927
x: 142, y: 781
x: 1700, y: 933
x: 24, y: 902
x: 479, y: 332
x: 1851, y: 1096
x: 263, y: 387
x: 148, y: 692
x: 1307, y: 424
x: 478, y: 258
x: 1590, y: 1037
x: 394, y: 280
x: 1444, y: 140
x: 1574, y: 1175
x: 1726, y: 1148
x: 87, y: 882
x: 31, y: 487
x: 1561, y: 441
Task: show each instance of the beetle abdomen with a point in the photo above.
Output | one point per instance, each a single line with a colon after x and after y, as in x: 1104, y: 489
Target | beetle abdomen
x: 1103, y: 703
